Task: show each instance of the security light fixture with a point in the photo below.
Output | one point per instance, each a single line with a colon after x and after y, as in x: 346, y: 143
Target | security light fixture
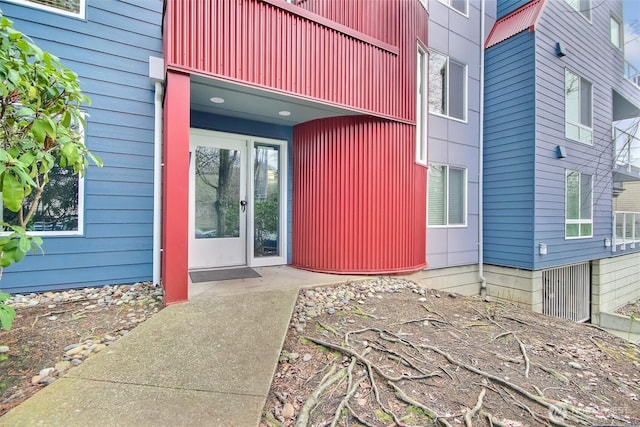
x: 561, y: 152
x: 559, y: 51
x: 543, y: 248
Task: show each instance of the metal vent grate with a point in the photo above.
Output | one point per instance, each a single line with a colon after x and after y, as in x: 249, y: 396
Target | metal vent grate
x: 566, y: 292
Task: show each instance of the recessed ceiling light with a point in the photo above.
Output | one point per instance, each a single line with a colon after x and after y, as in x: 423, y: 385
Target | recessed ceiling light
x: 217, y: 100
x: 284, y: 113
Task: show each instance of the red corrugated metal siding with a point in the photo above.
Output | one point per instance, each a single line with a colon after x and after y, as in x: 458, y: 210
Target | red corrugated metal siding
x: 268, y: 45
x: 517, y: 21
x: 359, y: 202
x: 359, y: 198
x: 378, y: 19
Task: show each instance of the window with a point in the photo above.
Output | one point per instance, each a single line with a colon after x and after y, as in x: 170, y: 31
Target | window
x: 582, y: 6
x: 579, y: 205
x: 447, y: 86
x: 59, y: 210
x: 61, y: 205
x: 578, y: 102
x: 65, y: 7
x: 459, y: 5
x: 421, y: 134
x: 447, y: 196
x: 616, y: 33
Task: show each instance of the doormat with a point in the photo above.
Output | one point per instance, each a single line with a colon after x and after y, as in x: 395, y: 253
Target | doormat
x: 225, y: 274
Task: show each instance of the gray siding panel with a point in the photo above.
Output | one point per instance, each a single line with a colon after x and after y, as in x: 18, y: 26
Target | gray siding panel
x: 454, y: 142
x: 109, y: 51
x: 594, y: 58
x: 509, y: 152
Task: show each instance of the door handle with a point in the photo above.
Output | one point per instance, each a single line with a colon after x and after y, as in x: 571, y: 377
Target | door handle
x: 243, y: 205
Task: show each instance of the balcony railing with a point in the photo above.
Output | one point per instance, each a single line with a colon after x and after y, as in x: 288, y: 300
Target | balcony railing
x: 627, y: 229
x: 627, y: 144
x: 632, y: 73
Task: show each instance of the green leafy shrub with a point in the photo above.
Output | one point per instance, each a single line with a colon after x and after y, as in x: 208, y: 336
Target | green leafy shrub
x: 7, y: 313
x: 42, y: 129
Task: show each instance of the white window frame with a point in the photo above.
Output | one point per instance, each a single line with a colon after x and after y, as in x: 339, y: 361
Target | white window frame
x: 465, y: 196
x: 620, y: 41
x: 465, y: 99
x: 422, y: 92
x: 578, y: 124
x: 80, y: 230
x: 580, y: 221
x: 80, y: 15
x: 448, y: 4
x: 576, y: 7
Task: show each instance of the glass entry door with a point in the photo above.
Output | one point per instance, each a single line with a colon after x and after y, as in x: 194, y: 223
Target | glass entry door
x: 217, y: 201
x: 266, y: 200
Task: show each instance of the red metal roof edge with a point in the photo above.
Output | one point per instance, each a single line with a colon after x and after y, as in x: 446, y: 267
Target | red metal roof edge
x: 499, y: 34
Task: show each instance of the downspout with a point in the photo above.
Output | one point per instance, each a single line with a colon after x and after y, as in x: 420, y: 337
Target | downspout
x: 156, y: 75
x: 483, y: 280
x: 157, y: 184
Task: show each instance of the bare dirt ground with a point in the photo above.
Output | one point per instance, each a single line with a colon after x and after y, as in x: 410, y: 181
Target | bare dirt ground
x: 38, y: 344
x: 395, y: 358
x: 415, y: 359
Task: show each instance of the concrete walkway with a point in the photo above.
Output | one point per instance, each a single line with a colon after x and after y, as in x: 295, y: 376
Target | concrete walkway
x: 208, y: 362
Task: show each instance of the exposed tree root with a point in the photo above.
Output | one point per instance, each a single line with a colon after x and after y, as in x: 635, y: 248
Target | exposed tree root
x: 527, y: 362
x: 493, y: 421
x: 430, y: 412
x: 578, y: 416
x: 351, y: 389
x: 329, y: 379
x: 422, y: 320
x: 553, y: 372
x: 472, y: 413
x: 357, y: 417
x: 366, y: 361
x: 379, y: 379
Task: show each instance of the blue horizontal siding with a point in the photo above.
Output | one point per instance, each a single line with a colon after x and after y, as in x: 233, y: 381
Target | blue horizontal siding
x: 115, y: 216
x: 122, y: 188
x: 97, y: 75
x: 509, y: 152
x: 109, y: 51
x: 68, y: 245
x: 122, y: 175
x: 62, y: 262
x: 507, y: 6
x: 141, y: 160
x: 111, y: 138
x: 266, y: 130
x: 128, y: 120
x: 36, y: 280
x: 101, y: 201
x: 93, y: 231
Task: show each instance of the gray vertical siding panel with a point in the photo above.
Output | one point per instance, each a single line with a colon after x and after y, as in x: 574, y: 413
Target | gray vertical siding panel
x: 109, y: 51
x: 509, y: 152
x: 453, y: 142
